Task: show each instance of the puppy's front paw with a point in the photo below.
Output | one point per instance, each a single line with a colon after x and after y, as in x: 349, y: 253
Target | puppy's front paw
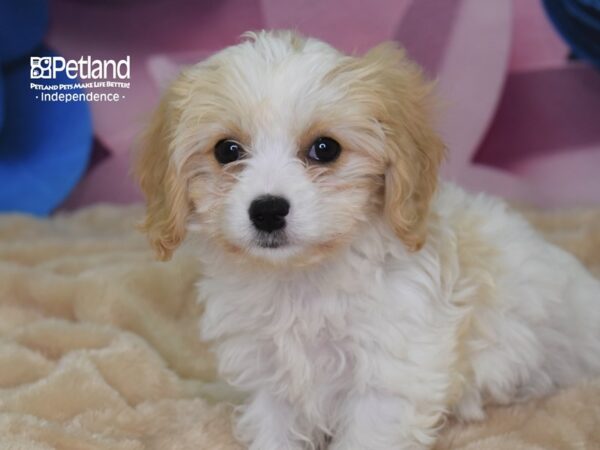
x: 379, y: 421
x: 256, y: 445
x: 268, y: 424
x: 373, y: 442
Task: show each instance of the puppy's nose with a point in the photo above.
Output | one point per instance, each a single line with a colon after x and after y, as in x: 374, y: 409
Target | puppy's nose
x: 268, y: 212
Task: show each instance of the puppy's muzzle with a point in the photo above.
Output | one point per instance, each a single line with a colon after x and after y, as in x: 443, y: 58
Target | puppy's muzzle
x: 268, y: 212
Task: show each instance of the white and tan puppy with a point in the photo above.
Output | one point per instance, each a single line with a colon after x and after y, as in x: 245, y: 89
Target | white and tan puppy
x: 357, y: 302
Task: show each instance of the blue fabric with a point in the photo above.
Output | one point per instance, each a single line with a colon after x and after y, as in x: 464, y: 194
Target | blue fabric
x: 591, y: 3
x: 44, y: 146
x: 578, y: 22
x: 23, y: 24
x: 1, y: 101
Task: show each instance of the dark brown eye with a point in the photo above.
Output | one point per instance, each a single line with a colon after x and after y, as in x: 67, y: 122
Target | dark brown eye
x: 324, y: 150
x: 227, y: 151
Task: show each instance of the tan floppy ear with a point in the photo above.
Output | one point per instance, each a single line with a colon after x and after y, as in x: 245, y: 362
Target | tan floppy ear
x: 413, y: 149
x: 165, y: 190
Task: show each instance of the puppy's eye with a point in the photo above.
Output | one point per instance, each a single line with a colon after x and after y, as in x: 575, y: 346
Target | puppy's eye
x: 324, y: 150
x: 227, y: 151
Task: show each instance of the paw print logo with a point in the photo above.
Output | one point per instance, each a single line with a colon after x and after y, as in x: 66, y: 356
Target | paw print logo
x: 40, y: 67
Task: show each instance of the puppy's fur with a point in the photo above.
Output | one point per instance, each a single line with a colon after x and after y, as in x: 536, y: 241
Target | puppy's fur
x: 389, y: 305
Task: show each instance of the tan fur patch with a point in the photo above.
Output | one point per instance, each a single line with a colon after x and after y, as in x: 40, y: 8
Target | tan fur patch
x: 165, y: 191
x: 472, y: 248
x: 401, y: 101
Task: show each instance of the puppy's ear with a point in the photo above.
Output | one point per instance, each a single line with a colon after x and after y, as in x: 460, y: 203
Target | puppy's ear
x: 413, y: 149
x: 165, y: 189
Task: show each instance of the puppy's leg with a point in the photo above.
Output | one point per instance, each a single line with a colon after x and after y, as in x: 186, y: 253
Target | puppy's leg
x: 378, y: 420
x: 267, y: 423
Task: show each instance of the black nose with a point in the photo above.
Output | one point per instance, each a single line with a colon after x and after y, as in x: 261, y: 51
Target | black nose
x: 268, y: 212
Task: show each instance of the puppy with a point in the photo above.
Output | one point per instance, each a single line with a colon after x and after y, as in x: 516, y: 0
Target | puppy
x: 357, y: 302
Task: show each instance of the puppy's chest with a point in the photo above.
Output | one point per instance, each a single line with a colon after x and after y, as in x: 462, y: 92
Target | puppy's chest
x: 316, y: 348
x: 298, y: 336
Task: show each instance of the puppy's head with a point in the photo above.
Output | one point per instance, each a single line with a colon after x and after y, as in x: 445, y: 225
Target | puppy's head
x: 281, y: 148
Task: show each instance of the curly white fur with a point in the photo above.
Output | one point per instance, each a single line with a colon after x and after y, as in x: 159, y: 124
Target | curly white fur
x: 387, y: 309
x: 376, y: 345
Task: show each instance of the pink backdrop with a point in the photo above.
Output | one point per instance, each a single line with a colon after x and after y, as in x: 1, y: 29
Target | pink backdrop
x: 519, y: 119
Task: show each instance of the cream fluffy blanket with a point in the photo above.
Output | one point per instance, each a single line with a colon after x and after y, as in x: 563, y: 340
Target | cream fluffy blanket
x: 98, y: 346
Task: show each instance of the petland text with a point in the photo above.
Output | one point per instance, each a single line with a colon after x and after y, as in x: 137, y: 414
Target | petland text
x: 84, y: 68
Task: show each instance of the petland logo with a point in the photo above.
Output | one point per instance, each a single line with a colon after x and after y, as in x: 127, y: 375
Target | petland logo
x: 47, y: 67
x: 57, y: 75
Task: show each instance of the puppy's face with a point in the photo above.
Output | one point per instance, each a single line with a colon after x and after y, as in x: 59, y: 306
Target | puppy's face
x: 280, y: 149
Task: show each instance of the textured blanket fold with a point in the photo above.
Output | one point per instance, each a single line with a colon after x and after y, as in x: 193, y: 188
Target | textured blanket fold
x: 99, y: 347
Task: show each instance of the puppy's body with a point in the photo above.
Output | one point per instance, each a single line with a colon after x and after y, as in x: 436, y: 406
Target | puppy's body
x: 374, y: 346
x: 354, y: 305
